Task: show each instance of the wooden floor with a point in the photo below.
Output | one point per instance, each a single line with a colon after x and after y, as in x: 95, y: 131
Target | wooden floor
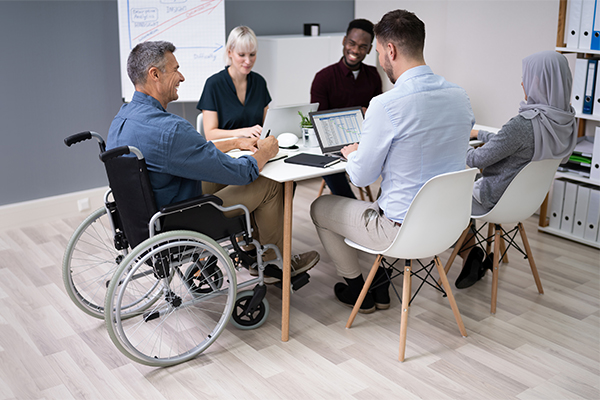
x: 534, y: 347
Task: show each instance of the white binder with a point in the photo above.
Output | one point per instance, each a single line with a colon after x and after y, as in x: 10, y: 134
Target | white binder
x: 595, y: 167
x: 586, y: 28
x: 593, y: 216
x: 581, y: 67
x: 581, y: 209
x: 558, y: 194
x: 574, y: 23
x: 568, y: 211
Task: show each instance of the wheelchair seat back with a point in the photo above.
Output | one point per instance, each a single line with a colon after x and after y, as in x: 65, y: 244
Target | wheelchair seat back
x: 130, y: 184
x: 128, y: 178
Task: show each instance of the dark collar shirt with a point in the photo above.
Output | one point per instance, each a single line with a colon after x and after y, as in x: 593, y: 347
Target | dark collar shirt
x: 178, y: 157
x: 336, y: 87
x: 219, y: 95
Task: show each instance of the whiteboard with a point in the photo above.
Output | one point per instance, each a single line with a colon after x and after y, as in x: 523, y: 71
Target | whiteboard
x: 195, y: 27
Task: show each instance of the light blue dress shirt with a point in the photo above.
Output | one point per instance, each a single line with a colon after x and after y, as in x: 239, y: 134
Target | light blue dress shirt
x: 415, y: 131
x: 178, y: 157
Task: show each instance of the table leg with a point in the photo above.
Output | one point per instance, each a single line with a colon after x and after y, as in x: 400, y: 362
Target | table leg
x: 287, y: 257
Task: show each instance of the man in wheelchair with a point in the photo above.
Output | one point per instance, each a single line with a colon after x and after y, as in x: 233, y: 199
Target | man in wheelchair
x: 179, y: 158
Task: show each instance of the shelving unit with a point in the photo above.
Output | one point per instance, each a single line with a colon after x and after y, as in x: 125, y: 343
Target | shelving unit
x: 582, y: 119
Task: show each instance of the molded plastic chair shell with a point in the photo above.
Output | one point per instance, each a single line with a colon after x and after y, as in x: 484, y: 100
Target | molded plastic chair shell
x: 438, y: 214
x: 524, y: 195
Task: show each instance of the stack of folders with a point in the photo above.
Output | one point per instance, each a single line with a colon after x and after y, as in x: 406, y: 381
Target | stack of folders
x: 585, y: 95
x: 575, y: 209
x: 583, y: 25
x: 580, y: 162
x: 583, y: 33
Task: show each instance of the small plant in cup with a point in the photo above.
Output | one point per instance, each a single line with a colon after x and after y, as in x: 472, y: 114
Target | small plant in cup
x: 305, y: 121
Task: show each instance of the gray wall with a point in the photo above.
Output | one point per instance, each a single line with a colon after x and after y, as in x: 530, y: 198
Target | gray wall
x: 60, y: 76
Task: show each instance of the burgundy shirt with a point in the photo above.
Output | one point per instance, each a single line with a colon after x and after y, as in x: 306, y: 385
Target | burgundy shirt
x: 335, y: 87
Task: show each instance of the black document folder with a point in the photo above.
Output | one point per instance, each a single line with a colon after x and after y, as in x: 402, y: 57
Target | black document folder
x: 312, y: 160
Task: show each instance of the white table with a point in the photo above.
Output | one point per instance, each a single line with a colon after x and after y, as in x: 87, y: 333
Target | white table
x: 287, y: 174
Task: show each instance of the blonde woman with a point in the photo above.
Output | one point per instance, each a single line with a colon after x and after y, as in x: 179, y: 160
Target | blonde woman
x: 234, y: 101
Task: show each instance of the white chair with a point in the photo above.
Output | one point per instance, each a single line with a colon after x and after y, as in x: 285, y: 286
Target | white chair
x: 435, y: 219
x: 200, y: 124
x: 521, y: 199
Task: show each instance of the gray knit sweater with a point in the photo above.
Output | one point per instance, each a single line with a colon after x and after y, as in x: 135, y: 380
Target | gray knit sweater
x: 500, y: 159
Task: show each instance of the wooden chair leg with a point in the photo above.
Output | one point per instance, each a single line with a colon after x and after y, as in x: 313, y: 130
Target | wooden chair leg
x: 406, y: 293
x: 495, y: 268
x: 503, y: 250
x: 448, y: 290
x: 369, y: 194
x: 363, y: 292
x: 488, y: 247
x: 534, y: 270
x: 321, y: 188
x: 362, y: 195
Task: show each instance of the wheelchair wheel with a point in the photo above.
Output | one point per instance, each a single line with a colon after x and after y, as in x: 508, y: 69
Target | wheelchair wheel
x: 89, y: 262
x: 172, y: 317
x: 240, y: 320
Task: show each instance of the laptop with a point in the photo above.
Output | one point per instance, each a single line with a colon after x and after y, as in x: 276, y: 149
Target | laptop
x: 337, y: 128
x: 286, y: 119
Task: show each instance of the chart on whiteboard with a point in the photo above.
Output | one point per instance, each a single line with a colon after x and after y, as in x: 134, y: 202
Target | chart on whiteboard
x: 195, y: 27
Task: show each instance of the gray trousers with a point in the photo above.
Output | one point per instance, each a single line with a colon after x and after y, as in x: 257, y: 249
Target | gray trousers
x: 337, y: 218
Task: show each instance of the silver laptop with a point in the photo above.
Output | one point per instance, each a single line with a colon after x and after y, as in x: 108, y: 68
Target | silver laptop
x: 286, y: 119
x: 337, y: 128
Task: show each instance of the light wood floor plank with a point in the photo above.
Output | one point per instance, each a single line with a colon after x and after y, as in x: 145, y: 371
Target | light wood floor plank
x: 534, y: 347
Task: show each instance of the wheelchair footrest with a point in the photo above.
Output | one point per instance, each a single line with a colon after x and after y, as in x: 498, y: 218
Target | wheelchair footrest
x: 297, y: 282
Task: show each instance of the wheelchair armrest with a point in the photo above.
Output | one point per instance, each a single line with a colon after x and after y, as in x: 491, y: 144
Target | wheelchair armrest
x: 181, y: 205
x: 120, y: 151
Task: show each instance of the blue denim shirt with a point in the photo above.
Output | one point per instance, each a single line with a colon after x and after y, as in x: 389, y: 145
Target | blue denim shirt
x: 411, y: 133
x: 178, y: 157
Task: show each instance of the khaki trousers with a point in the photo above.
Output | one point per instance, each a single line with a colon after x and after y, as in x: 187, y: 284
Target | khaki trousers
x: 264, y: 199
x: 337, y: 218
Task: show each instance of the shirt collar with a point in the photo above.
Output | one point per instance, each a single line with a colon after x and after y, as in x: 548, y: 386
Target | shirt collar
x: 147, y: 99
x: 347, y: 71
x: 412, y: 73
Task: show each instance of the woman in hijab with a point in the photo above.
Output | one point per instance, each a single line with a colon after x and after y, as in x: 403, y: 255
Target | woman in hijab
x: 543, y: 129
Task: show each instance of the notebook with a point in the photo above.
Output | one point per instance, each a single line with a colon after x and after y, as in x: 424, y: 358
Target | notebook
x: 286, y: 119
x: 337, y: 128
x: 312, y: 160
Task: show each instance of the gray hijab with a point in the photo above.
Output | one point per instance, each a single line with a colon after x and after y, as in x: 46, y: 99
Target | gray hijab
x: 547, y: 82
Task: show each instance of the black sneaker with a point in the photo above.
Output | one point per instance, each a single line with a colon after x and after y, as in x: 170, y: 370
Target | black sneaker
x: 343, y: 295
x: 470, y: 272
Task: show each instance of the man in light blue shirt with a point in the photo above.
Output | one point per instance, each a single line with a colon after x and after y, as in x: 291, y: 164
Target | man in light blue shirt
x: 415, y: 131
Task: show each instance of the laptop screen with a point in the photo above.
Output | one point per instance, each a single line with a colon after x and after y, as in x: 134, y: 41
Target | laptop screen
x: 285, y: 119
x: 337, y: 128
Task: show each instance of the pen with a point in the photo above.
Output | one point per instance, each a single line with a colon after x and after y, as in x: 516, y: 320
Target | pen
x: 268, y: 133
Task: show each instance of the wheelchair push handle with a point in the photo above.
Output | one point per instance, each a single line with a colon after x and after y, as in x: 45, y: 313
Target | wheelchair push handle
x: 82, y: 136
x: 121, y: 151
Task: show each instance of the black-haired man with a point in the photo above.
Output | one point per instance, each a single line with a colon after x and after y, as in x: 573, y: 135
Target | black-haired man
x: 348, y: 83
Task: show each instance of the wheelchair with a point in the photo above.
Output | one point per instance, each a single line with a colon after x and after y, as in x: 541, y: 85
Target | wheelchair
x: 167, y: 277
